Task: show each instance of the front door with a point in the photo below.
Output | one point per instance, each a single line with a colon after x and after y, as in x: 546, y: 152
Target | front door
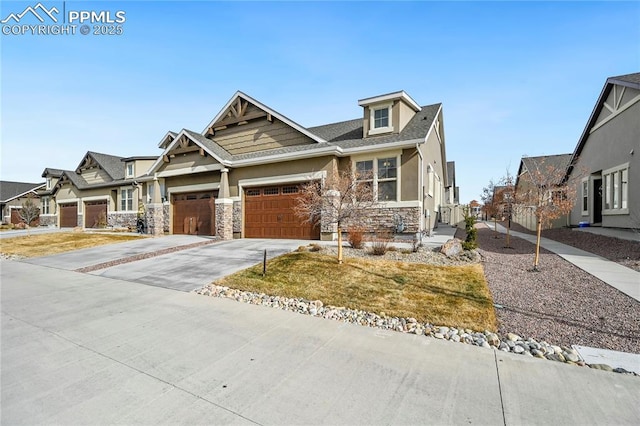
x: 597, y: 201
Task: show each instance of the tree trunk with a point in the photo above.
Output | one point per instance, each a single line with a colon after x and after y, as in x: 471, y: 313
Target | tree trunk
x: 339, y: 244
x: 495, y: 227
x: 537, y: 258
x: 508, y: 229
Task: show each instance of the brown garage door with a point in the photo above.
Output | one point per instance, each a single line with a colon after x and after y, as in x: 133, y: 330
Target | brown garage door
x: 15, y: 218
x: 194, y: 214
x: 95, y: 214
x: 69, y: 215
x: 269, y: 213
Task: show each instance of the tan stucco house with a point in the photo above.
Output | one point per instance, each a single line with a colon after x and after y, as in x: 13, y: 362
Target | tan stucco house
x: 13, y: 195
x: 239, y: 177
x: 102, y: 191
x: 608, y: 155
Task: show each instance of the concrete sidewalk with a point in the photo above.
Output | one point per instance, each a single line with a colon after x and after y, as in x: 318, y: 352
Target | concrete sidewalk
x: 84, y: 349
x: 620, y: 277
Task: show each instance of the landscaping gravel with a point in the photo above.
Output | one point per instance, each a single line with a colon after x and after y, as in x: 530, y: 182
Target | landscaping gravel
x: 560, y: 303
x: 423, y: 255
x: 624, y: 252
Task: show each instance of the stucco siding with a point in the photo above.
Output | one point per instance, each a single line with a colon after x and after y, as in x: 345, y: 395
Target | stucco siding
x: 608, y: 147
x: 409, y: 170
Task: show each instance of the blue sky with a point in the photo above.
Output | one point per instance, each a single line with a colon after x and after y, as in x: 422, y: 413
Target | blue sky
x: 514, y: 78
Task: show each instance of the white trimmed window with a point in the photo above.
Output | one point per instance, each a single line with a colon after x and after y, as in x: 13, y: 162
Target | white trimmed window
x: 585, y: 197
x: 129, y: 169
x: 126, y: 199
x: 383, y: 175
x: 380, y: 119
x: 616, y: 190
x: 44, y: 209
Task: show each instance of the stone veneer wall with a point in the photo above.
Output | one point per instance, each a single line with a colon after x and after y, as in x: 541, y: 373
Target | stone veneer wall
x: 122, y: 219
x: 154, y: 215
x: 237, y: 217
x: 224, y: 220
x: 48, y: 220
x: 385, y: 219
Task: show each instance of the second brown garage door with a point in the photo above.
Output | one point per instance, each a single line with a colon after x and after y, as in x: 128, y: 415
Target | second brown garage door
x: 68, y: 215
x: 194, y: 214
x: 269, y: 213
x: 95, y: 214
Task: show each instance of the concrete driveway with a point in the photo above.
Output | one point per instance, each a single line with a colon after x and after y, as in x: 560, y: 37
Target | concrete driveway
x: 84, y: 349
x: 184, y: 270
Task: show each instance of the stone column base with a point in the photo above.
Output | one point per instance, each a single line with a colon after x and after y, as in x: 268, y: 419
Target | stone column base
x: 155, y: 219
x: 224, y: 218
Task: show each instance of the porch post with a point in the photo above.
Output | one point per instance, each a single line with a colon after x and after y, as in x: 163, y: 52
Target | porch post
x: 224, y: 208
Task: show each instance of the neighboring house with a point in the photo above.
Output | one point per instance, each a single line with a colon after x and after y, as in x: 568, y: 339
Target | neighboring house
x: 608, y: 157
x: 475, y: 209
x: 451, y: 209
x: 523, y: 214
x: 240, y: 176
x: 12, y: 196
x: 101, y: 191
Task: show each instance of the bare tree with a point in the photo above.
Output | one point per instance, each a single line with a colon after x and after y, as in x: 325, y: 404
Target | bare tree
x: 29, y: 212
x: 345, y: 197
x: 508, y: 201
x: 546, y: 192
x: 491, y: 200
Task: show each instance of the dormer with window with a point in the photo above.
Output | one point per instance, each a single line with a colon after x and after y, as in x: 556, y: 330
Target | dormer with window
x: 129, y: 170
x: 387, y: 114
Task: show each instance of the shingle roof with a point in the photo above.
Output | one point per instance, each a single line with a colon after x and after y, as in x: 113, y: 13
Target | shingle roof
x: 557, y: 162
x: 627, y: 78
x: 10, y: 190
x: 343, y: 134
x: 111, y: 164
x: 52, y: 172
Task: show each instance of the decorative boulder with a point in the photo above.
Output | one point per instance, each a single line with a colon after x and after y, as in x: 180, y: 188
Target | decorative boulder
x: 452, y: 248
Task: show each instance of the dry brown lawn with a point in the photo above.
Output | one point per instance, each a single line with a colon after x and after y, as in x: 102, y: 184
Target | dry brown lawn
x: 58, y: 242
x: 443, y: 295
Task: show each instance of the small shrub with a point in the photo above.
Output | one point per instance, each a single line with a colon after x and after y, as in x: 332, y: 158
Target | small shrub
x: 392, y: 248
x: 302, y: 249
x: 470, y: 242
x: 315, y: 247
x: 406, y: 251
x: 355, y: 237
x: 380, y: 244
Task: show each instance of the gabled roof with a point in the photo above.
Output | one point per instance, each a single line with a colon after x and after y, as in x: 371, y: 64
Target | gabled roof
x: 10, y: 190
x: 111, y: 164
x: 391, y: 96
x: 626, y: 80
x: 52, y: 172
x: 266, y: 109
x: 341, y: 138
x: 558, y: 162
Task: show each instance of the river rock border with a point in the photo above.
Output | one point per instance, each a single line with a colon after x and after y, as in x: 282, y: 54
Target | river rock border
x: 510, y: 343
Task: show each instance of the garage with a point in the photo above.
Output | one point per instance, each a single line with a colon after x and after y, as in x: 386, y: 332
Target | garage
x: 69, y: 215
x: 95, y: 214
x: 269, y: 213
x: 16, y: 219
x: 194, y: 213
